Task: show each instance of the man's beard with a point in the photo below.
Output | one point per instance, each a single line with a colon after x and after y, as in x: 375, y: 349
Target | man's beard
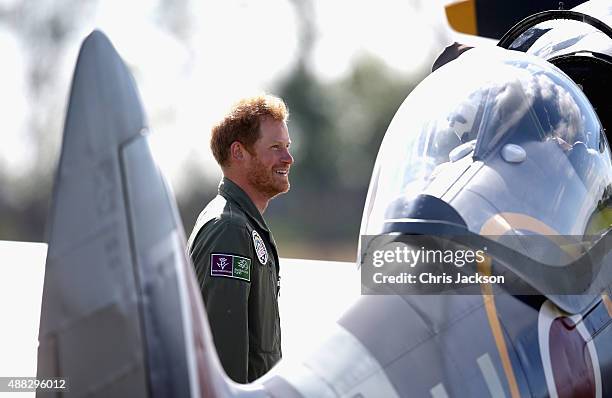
x: 265, y: 180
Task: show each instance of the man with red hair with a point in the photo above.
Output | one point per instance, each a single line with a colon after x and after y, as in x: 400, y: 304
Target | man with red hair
x: 231, y: 246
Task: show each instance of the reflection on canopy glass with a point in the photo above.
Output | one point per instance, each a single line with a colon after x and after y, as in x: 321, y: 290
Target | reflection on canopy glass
x: 493, y: 135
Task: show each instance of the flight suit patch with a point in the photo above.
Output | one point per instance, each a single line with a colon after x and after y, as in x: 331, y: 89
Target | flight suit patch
x: 230, y: 266
x: 260, y: 248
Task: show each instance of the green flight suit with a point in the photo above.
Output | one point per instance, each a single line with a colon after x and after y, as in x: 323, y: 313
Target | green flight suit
x: 236, y: 263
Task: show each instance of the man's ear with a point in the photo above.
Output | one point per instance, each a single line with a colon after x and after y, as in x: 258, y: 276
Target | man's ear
x: 237, y: 150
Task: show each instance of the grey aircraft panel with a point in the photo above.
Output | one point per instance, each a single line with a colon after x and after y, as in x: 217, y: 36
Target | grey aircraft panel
x: 89, y: 301
x: 424, y: 341
x: 121, y: 312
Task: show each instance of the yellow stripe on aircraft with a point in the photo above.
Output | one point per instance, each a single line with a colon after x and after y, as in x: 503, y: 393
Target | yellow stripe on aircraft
x: 501, y: 223
x: 608, y: 303
x: 489, y: 302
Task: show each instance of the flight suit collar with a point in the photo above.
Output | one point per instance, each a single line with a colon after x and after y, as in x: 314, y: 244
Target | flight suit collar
x: 230, y: 190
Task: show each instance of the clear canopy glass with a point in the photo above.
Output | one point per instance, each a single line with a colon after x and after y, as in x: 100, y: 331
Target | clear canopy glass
x: 501, y: 110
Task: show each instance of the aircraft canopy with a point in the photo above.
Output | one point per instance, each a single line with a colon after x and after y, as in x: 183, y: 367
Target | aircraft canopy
x: 515, y: 113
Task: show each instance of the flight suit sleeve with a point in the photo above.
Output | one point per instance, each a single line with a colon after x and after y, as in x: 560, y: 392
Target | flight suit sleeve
x: 225, y: 290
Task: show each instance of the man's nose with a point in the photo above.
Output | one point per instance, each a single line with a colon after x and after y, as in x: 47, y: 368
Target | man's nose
x: 287, y: 158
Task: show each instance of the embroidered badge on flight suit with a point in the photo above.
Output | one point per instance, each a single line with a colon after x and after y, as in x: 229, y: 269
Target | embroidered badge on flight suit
x: 260, y: 248
x: 230, y: 266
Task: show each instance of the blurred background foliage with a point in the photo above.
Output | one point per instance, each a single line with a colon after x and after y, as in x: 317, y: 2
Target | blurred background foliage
x: 336, y: 125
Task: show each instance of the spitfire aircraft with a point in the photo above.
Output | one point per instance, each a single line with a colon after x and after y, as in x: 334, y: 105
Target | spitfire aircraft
x: 501, y: 147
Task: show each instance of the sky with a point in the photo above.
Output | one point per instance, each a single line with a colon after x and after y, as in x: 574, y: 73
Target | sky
x: 232, y: 48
